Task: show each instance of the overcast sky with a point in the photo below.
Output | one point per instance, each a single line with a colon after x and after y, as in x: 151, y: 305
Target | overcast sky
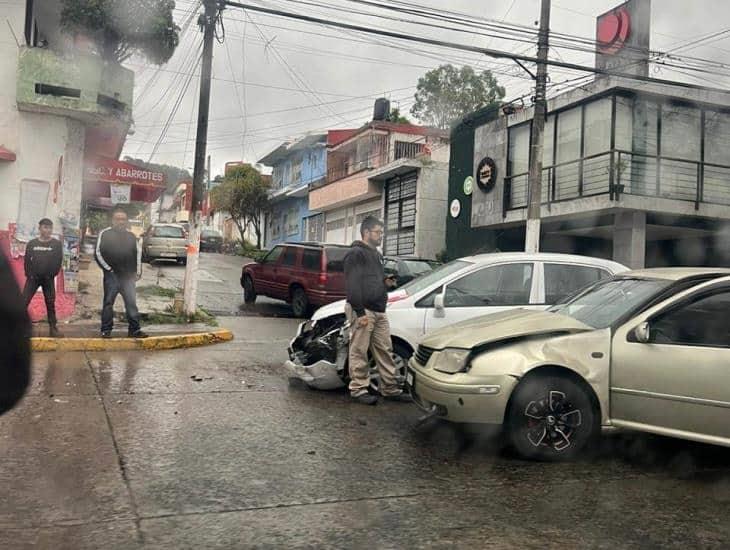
x: 319, y: 78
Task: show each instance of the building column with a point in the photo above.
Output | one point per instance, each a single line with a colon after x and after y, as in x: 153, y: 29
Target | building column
x: 629, y: 239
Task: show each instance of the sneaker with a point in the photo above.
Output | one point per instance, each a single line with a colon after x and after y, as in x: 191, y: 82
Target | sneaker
x: 399, y: 398
x: 106, y: 334
x: 138, y: 334
x: 365, y: 399
x: 55, y: 333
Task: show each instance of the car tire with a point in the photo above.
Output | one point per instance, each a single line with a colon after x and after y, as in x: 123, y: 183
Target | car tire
x: 300, y: 303
x: 551, y: 418
x: 249, y: 292
x: 401, y: 356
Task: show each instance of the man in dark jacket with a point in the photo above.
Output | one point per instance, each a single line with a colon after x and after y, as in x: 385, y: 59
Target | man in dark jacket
x: 15, y: 342
x: 119, y: 256
x: 367, y: 296
x: 43, y: 259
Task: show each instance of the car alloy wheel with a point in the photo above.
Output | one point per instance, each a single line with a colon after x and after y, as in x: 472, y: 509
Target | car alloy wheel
x: 400, y: 358
x: 551, y: 417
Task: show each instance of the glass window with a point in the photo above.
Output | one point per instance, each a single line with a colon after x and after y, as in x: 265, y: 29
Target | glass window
x: 636, y: 131
x: 548, y: 141
x: 169, y: 231
x: 717, y: 138
x: 501, y: 285
x: 273, y: 256
x: 597, y: 127
x: 681, y: 132
x: 438, y: 274
x: 336, y: 259
x: 568, y: 150
x: 562, y: 280
x: 607, y: 301
x: 290, y: 256
x: 624, y: 117
x: 311, y: 259
x: 519, y: 150
x: 702, y: 322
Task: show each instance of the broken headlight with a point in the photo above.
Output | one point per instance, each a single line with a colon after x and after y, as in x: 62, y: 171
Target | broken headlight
x: 450, y: 360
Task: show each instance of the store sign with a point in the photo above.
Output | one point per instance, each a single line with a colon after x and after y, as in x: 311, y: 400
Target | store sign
x: 486, y: 174
x: 455, y: 208
x: 115, y: 171
x: 120, y: 193
x: 613, y: 30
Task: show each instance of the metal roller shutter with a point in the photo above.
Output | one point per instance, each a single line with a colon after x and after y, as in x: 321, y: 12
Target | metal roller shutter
x: 400, y: 215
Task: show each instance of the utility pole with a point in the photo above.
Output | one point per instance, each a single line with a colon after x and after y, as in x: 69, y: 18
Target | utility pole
x: 534, y: 178
x: 207, y: 21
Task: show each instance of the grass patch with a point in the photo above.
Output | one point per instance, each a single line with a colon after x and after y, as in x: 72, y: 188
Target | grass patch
x: 169, y: 317
x: 153, y: 290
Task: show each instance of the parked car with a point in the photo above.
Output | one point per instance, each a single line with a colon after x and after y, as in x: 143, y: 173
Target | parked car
x: 406, y: 269
x: 646, y: 350
x: 460, y: 290
x: 165, y: 241
x: 211, y: 241
x: 306, y: 275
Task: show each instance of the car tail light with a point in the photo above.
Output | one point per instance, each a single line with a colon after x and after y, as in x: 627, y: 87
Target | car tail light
x: 322, y: 279
x: 397, y: 296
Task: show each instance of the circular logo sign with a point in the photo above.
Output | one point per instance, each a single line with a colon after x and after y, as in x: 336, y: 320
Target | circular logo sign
x: 486, y: 174
x: 468, y: 185
x: 613, y: 30
x: 455, y: 208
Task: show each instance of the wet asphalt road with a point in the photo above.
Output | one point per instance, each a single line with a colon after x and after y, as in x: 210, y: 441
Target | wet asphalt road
x: 219, y: 286
x: 128, y: 451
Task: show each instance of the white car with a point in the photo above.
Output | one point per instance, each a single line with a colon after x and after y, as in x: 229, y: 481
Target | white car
x: 463, y: 289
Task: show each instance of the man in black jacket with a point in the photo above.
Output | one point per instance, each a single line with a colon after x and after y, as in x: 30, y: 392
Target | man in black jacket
x: 43, y: 259
x: 119, y: 256
x: 367, y: 296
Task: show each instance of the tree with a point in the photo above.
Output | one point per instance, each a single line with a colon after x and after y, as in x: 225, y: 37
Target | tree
x: 395, y: 116
x: 244, y: 194
x: 446, y: 94
x: 124, y: 27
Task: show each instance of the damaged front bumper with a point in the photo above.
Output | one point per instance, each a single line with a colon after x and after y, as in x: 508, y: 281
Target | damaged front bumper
x: 318, y: 353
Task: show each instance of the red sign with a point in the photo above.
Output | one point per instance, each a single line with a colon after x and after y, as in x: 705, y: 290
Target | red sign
x: 117, y: 171
x: 613, y: 30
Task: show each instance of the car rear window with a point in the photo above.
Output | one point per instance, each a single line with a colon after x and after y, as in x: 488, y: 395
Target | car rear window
x: 311, y: 259
x: 209, y: 233
x: 169, y: 231
x: 336, y: 258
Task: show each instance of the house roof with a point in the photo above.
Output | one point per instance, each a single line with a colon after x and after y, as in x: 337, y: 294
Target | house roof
x: 287, y: 148
x: 336, y: 137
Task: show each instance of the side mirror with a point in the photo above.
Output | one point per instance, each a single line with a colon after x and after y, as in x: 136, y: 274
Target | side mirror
x: 438, y: 305
x: 642, y: 333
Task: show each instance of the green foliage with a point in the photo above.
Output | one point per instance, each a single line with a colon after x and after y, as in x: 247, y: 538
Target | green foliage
x: 244, y: 194
x: 447, y: 93
x: 124, y: 27
x: 153, y: 290
x: 97, y: 220
x: 173, y: 174
x: 396, y: 117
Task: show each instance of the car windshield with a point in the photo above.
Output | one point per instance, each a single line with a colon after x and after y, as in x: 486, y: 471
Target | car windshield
x: 210, y: 233
x: 425, y: 281
x: 607, y: 301
x: 417, y: 267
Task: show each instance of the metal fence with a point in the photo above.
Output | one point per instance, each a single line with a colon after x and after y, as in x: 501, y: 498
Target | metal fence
x: 623, y: 172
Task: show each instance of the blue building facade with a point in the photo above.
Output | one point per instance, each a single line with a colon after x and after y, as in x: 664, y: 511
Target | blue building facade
x: 296, y: 166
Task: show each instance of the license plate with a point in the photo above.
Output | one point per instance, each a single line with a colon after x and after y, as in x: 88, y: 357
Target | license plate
x: 410, y: 378
x: 168, y: 254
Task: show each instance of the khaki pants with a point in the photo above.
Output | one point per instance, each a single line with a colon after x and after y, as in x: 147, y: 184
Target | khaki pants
x: 375, y: 337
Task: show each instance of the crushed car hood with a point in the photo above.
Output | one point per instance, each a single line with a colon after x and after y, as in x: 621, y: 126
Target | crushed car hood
x: 502, y: 326
x: 335, y: 308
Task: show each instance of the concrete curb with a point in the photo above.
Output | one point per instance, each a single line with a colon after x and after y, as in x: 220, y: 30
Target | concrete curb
x: 153, y: 343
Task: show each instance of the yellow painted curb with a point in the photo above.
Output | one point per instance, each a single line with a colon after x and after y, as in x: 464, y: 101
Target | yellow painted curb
x: 152, y: 343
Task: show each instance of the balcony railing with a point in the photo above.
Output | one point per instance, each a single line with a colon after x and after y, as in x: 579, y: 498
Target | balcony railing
x: 622, y: 172
x: 380, y: 154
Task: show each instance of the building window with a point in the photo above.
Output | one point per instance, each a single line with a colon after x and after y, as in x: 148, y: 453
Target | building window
x: 277, y: 176
x: 400, y: 215
x: 336, y: 225
x: 275, y: 226
x: 567, y: 173
x: 596, y: 142
x: 292, y: 223
x: 519, y: 150
x: 296, y: 172
x: 680, y: 139
x: 315, y: 228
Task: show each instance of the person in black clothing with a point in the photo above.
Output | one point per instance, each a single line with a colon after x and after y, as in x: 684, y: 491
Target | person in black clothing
x: 367, y: 297
x: 43, y: 259
x: 15, y: 342
x: 119, y: 256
